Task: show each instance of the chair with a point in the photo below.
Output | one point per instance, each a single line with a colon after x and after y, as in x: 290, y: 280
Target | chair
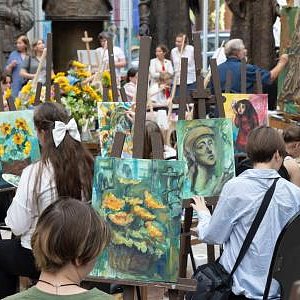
x: 285, y: 264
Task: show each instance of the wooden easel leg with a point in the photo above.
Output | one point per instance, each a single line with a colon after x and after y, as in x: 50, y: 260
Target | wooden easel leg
x: 144, y: 292
x: 211, y: 253
x: 128, y: 293
x: 173, y: 295
x: 192, y: 259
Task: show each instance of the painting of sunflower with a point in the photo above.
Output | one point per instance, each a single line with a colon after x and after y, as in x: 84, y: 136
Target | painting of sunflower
x: 18, y: 139
x: 140, y: 200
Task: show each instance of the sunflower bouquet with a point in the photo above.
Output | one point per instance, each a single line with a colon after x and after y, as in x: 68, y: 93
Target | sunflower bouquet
x: 139, y: 235
x: 26, y: 96
x: 78, y: 97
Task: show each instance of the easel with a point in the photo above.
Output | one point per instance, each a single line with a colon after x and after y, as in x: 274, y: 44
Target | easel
x: 200, y: 98
x: 87, y: 40
x: 183, y: 284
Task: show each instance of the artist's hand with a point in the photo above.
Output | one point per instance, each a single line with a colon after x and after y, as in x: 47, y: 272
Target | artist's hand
x: 284, y: 58
x: 5, y: 12
x: 13, y: 63
x: 199, y: 204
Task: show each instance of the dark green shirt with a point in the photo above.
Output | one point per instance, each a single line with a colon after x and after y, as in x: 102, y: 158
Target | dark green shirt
x: 35, y: 294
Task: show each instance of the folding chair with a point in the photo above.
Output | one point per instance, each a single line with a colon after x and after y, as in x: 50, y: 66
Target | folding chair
x: 285, y: 264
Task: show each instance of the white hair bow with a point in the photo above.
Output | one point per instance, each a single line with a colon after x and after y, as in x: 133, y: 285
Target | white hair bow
x: 60, y: 130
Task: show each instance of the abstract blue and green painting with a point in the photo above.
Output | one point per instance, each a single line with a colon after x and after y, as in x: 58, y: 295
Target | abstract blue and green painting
x: 18, y: 138
x: 207, y: 148
x: 140, y: 199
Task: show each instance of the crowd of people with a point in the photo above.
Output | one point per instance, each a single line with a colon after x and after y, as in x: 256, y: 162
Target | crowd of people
x: 55, y: 192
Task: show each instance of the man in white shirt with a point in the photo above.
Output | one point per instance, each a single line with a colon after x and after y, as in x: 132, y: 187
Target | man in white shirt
x: 119, y: 56
x: 239, y: 202
x: 188, y: 52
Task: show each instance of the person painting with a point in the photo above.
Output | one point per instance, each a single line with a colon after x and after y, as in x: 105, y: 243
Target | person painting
x: 245, y: 120
x: 119, y: 56
x: 65, y: 251
x: 160, y: 72
x: 65, y: 169
x: 235, y: 52
x: 237, y: 206
x: 176, y: 55
x: 131, y: 84
x: 14, y: 64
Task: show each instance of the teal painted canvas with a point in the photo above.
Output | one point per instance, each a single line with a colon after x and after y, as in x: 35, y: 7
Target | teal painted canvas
x: 207, y: 148
x: 113, y: 117
x: 140, y: 199
x: 18, y: 140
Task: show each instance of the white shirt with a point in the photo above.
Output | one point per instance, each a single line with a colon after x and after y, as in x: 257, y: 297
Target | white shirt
x: 22, y: 214
x: 130, y: 90
x: 104, y: 61
x: 188, y: 53
x: 156, y: 67
x: 239, y: 202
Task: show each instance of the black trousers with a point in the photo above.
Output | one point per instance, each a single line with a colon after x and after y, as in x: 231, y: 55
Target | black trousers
x: 15, y: 261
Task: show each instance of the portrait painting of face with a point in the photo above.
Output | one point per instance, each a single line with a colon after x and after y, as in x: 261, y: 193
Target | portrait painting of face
x: 207, y: 148
x: 246, y: 111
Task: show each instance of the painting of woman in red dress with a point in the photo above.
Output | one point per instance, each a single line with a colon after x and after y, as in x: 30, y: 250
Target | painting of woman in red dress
x: 245, y: 120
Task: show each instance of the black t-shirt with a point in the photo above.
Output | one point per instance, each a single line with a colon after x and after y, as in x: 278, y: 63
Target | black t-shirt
x: 246, y: 164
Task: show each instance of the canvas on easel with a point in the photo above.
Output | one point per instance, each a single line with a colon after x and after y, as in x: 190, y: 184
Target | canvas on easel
x: 114, y: 117
x: 288, y: 82
x: 140, y: 200
x: 18, y: 140
x: 246, y: 111
x: 206, y: 145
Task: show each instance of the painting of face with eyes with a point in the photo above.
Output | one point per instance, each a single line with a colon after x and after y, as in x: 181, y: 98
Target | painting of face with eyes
x: 207, y: 148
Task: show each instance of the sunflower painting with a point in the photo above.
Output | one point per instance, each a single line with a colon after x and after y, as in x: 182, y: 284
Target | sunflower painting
x: 140, y: 200
x: 18, y: 139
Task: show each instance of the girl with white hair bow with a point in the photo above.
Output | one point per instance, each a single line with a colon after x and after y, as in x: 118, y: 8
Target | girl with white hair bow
x: 65, y: 169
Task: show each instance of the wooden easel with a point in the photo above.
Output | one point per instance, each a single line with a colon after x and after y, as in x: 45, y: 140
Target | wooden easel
x: 182, y: 284
x: 259, y: 88
x: 87, y: 40
x: 48, y: 67
x: 112, y: 70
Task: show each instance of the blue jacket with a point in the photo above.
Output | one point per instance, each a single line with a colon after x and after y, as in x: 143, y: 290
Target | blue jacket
x: 234, y: 64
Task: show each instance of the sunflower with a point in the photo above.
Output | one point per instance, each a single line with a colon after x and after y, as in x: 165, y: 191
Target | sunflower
x: 112, y: 202
x: 26, y: 88
x: 1, y: 150
x: 76, y: 89
x: 17, y: 103
x: 7, y: 93
x: 21, y: 124
x: 59, y: 74
x: 18, y: 138
x: 78, y: 64
x: 5, y: 128
x: 27, y: 148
